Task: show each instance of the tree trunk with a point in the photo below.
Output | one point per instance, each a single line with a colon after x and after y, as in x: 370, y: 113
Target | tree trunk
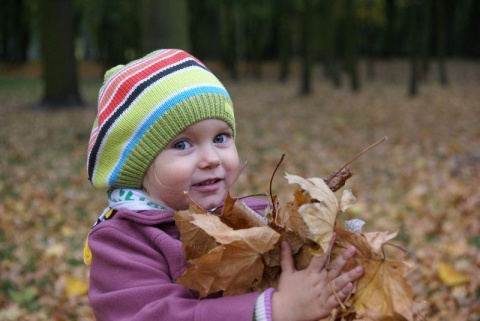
x: 164, y: 25
x: 204, y: 31
x: 441, y: 42
x: 117, y: 31
x: 328, y: 34
x: 257, y: 23
x: 59, y: 66
x: 285, y: 32
x: 350, y: 36
x: 471, y: 45
x: 413, y: 48
x: 307, y: 47
x: 228, y: 24
x: 389, y: 43
x: 15, y: 31
x: 425, y: 38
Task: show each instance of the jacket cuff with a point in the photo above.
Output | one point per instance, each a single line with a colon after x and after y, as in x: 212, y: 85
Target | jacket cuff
x: 263, y: 306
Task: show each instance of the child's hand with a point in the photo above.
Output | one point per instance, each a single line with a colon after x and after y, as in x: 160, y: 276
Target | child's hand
x: 307, y: 294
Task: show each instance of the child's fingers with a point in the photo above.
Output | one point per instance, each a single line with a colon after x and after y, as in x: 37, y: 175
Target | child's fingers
x: 345, y: 290
x: 341, y: 283
x: 318, y: 263
x: 337, y: 266
x: 286, y: 259
x: 341, y: 295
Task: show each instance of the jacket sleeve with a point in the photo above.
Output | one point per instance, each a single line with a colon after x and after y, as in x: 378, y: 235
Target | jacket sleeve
x: 132, y: 279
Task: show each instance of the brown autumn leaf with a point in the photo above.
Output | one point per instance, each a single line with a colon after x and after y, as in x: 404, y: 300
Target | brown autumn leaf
x: 235, y: 266
x: 319, y: 222
x: 236, y: 214
x: 450, y: 276
x: 378, y: 239
x: 261, y: 239
x: 347, y: 200
x: 306, y: 253
x: 198, y: 276
x: 337, y: 180
x: 195, y: 241
x: 374, y: 316
x: 289, y: 217
x: 319, y: 216
x: 382, y: 291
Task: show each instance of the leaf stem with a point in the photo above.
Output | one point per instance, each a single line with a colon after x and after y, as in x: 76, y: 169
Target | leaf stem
x: 192, y: 200
x: 356, y: 157
x: 395, y: 246
x: 271, y: 181
x: 328, y: 267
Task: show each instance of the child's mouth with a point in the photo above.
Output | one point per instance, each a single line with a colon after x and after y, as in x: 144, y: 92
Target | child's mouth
x: 206, y: 183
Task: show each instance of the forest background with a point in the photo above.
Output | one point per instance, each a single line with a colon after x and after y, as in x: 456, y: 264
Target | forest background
x: 318, y: 80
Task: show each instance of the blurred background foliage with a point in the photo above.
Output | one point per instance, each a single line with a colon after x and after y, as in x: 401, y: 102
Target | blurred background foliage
x: 241, y: 34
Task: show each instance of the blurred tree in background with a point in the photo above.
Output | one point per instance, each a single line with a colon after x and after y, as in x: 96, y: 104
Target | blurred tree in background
x: 14, y: 31
x: 335, y: 34
x: 57, y: 52
x: 164, y: 24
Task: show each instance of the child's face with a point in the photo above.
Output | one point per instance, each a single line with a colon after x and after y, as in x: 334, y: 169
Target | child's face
x: 202, y: 160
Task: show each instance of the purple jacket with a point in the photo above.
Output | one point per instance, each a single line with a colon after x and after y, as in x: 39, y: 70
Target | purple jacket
x: 137, y: 256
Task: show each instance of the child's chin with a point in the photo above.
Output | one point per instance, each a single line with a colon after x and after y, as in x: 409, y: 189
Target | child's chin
x: 210, y: 204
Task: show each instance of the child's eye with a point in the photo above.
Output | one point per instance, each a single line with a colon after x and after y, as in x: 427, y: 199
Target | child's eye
x: 222, y: 138
x: 183, y: 144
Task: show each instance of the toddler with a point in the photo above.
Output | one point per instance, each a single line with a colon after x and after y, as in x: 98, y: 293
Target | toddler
x: 166, y: 125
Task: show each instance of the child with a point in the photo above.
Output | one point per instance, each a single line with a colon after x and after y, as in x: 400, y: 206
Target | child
x: 166, y: 125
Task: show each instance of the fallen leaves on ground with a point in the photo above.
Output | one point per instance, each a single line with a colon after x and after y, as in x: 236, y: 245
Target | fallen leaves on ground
x: 422, y: 182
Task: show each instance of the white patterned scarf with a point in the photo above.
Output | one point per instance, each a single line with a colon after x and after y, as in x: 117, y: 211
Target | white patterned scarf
x: 129, y: 198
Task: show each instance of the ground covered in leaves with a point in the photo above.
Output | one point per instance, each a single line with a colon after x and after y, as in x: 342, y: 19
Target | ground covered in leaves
x: 423, y: 181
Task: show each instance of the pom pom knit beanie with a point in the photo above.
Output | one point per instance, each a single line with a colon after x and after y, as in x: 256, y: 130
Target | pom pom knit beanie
x: 142, y: 106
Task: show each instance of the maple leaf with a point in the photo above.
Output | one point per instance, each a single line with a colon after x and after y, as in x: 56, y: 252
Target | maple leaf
x: 320, y: 217
x: 377, y: 239
x: 236, y: 214
x: 317, y: 189
x: 347, y: 200
x: 290, y: 218
x: 337, y: 180
x: 305, y: 254
x: 261, y: 239
x: 382, y: 293
x: 450, y: 276
x: 383, y: 290
x: 75, y: 287
x: 195, y: 241
x: 235, y: 266
x: 319, y: 222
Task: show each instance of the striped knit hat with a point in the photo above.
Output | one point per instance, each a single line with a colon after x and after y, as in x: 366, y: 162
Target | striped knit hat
x: 142, y: 106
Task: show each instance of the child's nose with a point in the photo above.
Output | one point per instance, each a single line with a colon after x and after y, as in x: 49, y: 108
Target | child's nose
x: 209, y: 157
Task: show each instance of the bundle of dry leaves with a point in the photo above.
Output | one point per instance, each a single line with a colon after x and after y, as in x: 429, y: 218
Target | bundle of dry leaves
x: 235, y: 250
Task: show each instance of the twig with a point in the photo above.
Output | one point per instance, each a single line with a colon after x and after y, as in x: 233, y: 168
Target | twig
x: 271, y: 181
x: 394, y: 245
x: 356, y: 157
x: 193, y: 201
x: 328, y: 268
